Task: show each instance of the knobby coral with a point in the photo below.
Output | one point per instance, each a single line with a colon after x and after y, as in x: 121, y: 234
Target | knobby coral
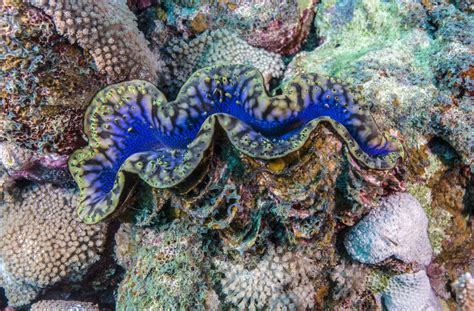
x: 280, y: 281
x: 464, y: 288
x: 132, y: 128
x: 108, y: 30
x: 220, y: 47
x: 42, y: 242
x: 398, y: 227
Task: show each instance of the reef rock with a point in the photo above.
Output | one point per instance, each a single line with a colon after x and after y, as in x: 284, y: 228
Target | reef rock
x: 411, y: 291
x: 398, y: 227
x: 42, y: 242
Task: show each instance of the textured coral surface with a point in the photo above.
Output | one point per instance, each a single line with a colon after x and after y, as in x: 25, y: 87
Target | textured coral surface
x: 42, y: 242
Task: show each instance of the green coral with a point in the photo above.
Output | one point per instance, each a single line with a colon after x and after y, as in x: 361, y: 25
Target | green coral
x: 166, y: 272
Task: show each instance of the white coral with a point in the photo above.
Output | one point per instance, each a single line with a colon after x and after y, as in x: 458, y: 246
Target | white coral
x: 109, y: 31
x: 398, y: 227
x: 464, y: 288
x: 410, y: 291
x: 43, y: 242
x: 221, y: 47
x: 280, y: 281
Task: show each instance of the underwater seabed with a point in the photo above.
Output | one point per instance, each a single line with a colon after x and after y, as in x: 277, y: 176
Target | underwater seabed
x: 236, y: 155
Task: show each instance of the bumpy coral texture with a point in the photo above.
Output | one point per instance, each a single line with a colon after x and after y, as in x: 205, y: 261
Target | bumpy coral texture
x: 165, y: 272
x: 464, y: 288
x: 221, y: 47
x: 398, y: 227
x: 131, y: 127
x: 108, y: 30
x: 279, y: 26
x: 411, y: 291
x: 42, y: 242
x: 64, y: 305
x: 280, y: 281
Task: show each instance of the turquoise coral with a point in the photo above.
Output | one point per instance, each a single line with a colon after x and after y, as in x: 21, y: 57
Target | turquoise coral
x: 132, y: 128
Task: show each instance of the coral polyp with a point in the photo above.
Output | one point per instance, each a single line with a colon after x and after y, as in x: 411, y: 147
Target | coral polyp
x: 132, y: 128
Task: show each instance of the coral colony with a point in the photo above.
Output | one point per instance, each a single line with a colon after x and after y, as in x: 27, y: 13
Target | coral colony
x: 236, y: 155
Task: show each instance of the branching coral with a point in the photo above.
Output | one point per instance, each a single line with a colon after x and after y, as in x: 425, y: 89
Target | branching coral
x: 63, y: 305
x: 220, y: 47
x: 131, y: 127
x: 108, y: 30
x: 280, y: 281
x: 350, y: 281
x: 41, y: 242
x: 398, y: 227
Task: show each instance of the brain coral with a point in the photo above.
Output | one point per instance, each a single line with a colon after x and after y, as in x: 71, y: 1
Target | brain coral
x: 221, y: 47
x: 132, y: 127
x: 108, y: 30
x: 41, y: 242
x: 63, y: 305
x: 280, y: 281
x: 398, y: 227
x: 411, y: 291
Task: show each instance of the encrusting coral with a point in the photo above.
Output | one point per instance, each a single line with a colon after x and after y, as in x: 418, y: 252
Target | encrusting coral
x: 64, y: 305
x: 42, y: 242
x: 108, y: 30
x: 220, y: 47
x: 131, y: 127
x: 410, y: 291
x: 165, y: 270
x: 398, y: 227
x: 280, y: 281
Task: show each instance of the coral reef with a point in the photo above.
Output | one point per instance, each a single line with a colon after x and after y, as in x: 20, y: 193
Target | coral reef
x: 220, y: 47
x: 398, y: 227
x: 109, y: 32
x: 276, y: 26
x: 166, y: 270
x: 41, y: 242
x: 280, y: 281
x: 464, y: 287
x: 45, y: 82
x: 417, y: 77
x: 63, y: 305
x: 131, y: 127
x: 411, y: 291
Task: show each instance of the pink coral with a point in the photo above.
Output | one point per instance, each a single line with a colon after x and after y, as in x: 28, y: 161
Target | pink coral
x: 284, y: 37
